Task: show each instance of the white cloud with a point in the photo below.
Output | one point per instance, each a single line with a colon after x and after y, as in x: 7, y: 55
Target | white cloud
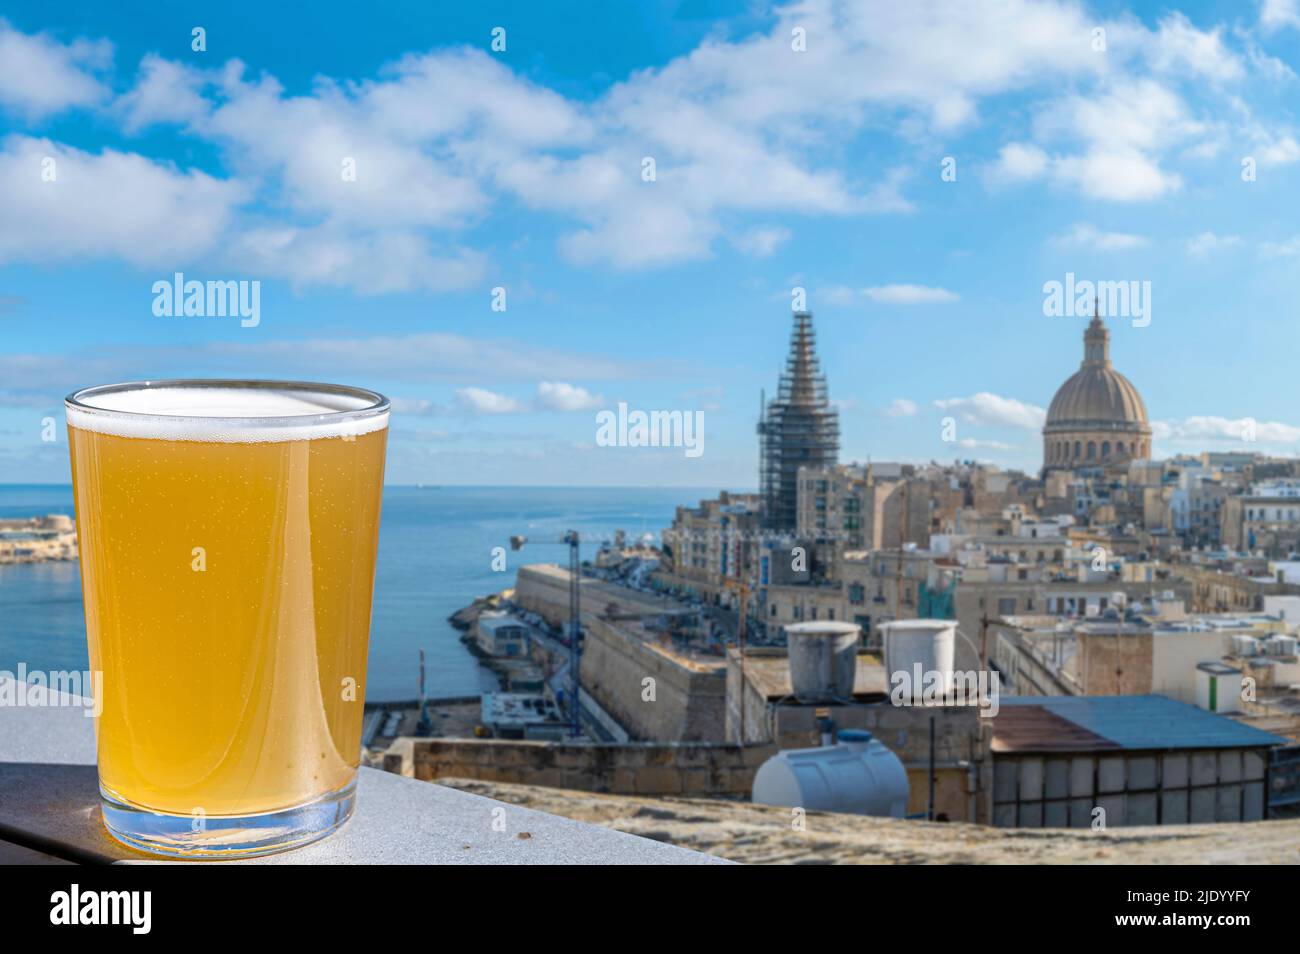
x: 482, y: 401
x: 1089, y: 236
x: 900, y: 407
x: 372, y: 262
x: 1269, y: 67
x: 740, y: 131
x: 164, y: 92
x: 909, y: 295
x: 558, y: 396
x: 1280, y: 151
x: 1288, y: 249
x: 107, y: 205
x: 361, y: 157
x: 735, y: 129
x: 1117, y: 175
x: 762, y: 241
x: 1207, y: 243
x: 1214, y: 428
x: 838, y: 295
x: 416, y: 407
x: 993, y: 410
x: 1123, y: 129
x: 39, y: 76
x: 1180, y: 48
x: 1277, y: 14
x: 428, y: 357
x: 551, y: 396
x: 1018, y: 160
x: 1112, y: 142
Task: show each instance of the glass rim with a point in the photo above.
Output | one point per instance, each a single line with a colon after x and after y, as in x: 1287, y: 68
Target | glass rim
x: 377, y: 403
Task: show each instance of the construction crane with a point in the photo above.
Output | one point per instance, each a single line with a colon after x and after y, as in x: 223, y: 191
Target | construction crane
x: 571, y: 540
x: 425, y: 725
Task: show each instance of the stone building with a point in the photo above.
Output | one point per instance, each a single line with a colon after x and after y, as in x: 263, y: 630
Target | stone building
x: 710, y: 548
x: 1097, y: 416
x: 1265, y: 518
x: 852, y: 508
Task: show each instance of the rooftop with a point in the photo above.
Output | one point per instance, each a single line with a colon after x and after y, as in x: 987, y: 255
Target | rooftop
x: 1135, y: 723
x: 768, y: 670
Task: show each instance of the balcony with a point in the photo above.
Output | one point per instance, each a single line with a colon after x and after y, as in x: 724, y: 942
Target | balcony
x: 49, y: 812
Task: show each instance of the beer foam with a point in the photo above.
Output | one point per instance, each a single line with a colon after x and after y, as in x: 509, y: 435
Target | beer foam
x: 225, y: 415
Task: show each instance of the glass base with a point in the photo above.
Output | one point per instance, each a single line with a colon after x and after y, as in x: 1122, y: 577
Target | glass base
x: 214, y: 837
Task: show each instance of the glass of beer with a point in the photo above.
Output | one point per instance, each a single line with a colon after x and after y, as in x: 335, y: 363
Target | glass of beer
x: 227, y: 532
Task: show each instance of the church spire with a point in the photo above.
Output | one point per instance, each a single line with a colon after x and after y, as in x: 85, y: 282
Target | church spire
x: 799, y: 428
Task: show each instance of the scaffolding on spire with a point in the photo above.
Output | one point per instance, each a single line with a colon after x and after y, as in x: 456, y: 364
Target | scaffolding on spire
x: 798, y: 428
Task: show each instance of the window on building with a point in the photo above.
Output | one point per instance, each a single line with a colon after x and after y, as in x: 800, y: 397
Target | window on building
x: 1006, y: 606
x: 857, y: 596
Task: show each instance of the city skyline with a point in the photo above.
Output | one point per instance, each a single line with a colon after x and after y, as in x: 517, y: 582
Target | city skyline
x: 922, y: 218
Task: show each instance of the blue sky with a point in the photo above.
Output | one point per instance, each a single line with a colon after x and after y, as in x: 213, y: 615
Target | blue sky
x: 776, y: 168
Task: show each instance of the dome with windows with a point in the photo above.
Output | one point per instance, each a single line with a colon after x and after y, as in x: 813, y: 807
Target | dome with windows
x: 1097, y: 416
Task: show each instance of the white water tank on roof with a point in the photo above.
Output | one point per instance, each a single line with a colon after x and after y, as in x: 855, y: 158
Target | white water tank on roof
x: 1243, y: 644
x: 857, y: 776
x: 823, y: 659
x: 927, y: 643
x: 1279, y: 644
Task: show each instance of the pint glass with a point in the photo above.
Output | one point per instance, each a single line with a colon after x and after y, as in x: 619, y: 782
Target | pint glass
x: 227, y: 532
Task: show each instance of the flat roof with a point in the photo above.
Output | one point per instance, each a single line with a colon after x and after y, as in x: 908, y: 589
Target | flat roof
x: 768, y: 670
x: 1218, y: 669
x: 498, y: 620
x: 518, y: 708
x: 1133, y: 723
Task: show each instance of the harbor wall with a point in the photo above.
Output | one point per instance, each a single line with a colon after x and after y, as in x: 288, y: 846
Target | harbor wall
x: 685, y: 699
x: 653, y: 695
x: 543, y: 588
x: 627, y: 769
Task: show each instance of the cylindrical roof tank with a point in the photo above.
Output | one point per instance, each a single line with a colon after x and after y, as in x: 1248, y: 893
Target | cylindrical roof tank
x: 823, y: 659
x: 1280, y: 644
x: 927, y: 642
x: 857, y: 776
x: 1244, y: 644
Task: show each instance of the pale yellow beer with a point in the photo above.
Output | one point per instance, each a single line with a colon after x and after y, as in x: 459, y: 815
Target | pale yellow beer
x: 228, y: 537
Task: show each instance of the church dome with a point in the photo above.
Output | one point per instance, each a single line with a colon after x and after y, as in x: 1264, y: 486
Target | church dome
x: 1100, y: 395
x: 1097, y: 415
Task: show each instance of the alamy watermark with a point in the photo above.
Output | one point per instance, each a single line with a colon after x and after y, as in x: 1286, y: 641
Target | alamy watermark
x: 179, y: 298
x: 37, y: 689
x: 1082, y: 299
x: 626, y: 428
x: 934, y: 688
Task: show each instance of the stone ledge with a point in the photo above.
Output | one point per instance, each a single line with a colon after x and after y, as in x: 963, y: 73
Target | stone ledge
x: 49, y: 803
x: 761, y: 834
